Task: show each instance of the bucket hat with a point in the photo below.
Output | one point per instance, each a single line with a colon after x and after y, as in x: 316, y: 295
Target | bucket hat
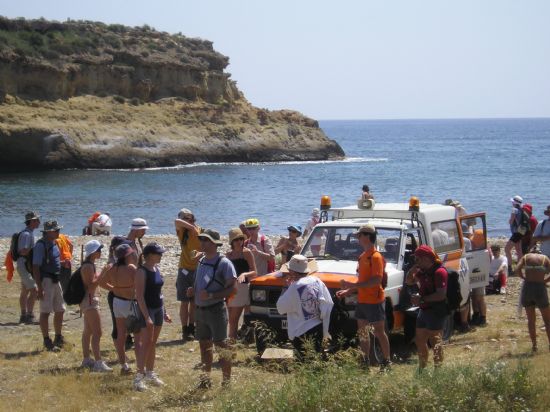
x: 51, y: 226
x: 211, y: 235
x: 299, y: 264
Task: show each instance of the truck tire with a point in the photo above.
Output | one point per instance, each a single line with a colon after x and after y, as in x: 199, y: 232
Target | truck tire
x: 263, y: 336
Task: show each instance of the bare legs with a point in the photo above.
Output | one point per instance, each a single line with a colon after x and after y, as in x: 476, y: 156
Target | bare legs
x: 234, y: 316
x: 27, y: 297
x: 379, y: 333
x: 224, y: 350
x: 423, y: 336
x: 91, y: 334
x: 508, y: 250
x: 531, y: 323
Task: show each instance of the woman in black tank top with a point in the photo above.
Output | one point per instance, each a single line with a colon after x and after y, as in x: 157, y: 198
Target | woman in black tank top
x: 243, y: 261
x: 149, y: 284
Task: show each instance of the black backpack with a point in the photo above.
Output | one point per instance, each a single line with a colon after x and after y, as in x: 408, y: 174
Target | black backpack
x: 454, y: 297
x: 524, y: 225
x: 14, y: 245
x: 74, y: 294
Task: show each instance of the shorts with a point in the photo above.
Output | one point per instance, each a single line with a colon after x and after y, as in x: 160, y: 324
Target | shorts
x: 429, y: 319
x: 371, y: 312
x: 534, y: 294
x: 156, y: 315
x: 27, y: 281
x: 53, y: 297
x: 183, y: 282
x: 211, y: 322
x: 89, y: 302
x: 516, y: 237
x: 121, y: 307
x: 478, y: 291
x: 242, y: 297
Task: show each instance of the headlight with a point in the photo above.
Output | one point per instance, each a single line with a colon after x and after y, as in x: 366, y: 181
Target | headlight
x: 259, y: 295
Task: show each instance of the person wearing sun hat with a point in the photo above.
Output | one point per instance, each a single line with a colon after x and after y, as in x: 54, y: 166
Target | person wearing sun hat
x: 306, y: 303
x: 29, y: 288
x: 137, y: 231
x: 89, y: 308
x: 288, y: 246
x: 46, y: 266
x: 431, y: 277
x: 260, y: 246
x: 542, y: 234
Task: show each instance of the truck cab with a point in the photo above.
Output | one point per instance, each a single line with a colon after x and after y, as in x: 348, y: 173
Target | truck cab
x: 401, y: 228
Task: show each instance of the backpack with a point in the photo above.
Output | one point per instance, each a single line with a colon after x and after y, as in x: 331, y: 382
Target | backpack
x: 14, y: 245
x: 454, y: 297
x: 75, y: 292
x: 214, y: 271
x: 524, y: 225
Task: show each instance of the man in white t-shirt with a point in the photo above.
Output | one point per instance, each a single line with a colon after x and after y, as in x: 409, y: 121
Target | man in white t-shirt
x: 542, y: 234
x: 102, y: 225
x: 498, y: 270
x: 307, y: 304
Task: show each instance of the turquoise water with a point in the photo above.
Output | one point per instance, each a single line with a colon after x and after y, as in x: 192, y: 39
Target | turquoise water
x: 480, y: 162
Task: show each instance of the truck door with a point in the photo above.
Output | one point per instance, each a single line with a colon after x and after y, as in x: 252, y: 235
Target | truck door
x: 474, y: 232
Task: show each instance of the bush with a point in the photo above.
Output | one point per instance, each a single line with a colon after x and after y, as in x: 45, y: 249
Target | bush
x: 119, y: 99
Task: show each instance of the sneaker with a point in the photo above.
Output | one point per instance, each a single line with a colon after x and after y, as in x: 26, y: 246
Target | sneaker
x: 139, y: 382
x: 87, y: 363
x: 204, y: 382
x: 23, y: 318
x: 49, y: 346
x: 125, y: 370
x: 30, y: 319
x: 100, y: 366
x: 503, y: 291
x: 59, y: 341
x: 482, y: 321
x: 153, y: 379
x: 191, y: 332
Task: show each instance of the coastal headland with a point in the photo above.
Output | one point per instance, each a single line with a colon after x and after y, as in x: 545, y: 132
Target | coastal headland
x: 82, y: 94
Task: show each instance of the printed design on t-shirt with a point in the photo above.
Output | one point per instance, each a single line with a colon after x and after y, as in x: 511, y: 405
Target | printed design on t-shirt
x: 310, y: 303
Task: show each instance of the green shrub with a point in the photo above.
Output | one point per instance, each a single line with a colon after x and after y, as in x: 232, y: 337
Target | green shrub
x: 119, y: 99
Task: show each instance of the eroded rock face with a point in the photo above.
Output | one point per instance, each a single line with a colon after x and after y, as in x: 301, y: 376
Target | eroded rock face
x: 90, y: 95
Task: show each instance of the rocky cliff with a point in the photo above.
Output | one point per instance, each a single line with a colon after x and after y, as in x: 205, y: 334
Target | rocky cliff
x: 90, y: 95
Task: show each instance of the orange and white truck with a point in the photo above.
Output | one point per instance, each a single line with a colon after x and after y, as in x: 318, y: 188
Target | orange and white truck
x: 401, y: 228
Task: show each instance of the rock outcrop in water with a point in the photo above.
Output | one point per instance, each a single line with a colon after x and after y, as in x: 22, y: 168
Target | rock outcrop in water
x: 91, y: 95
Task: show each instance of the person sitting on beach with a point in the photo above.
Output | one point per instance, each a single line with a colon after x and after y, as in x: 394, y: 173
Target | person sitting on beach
x: 89, y: 308
x: 518, y: 229
x: 245, y: 268
x: 137, y: 231
x: 317, y: 241
x: 187, y: 231
x: 498, y: 271
x: 29, y: 288
x: 261, y: 247
x: 307, y: 305
x: 102, y: 225
x: 214, y: 282
x: 148, y: 287
x: 533, y: 268
x: 119, y: 280
x: 46, y: 265
x: 288, y: 246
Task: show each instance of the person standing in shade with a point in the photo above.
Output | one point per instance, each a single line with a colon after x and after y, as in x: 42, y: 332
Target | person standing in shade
x: 261, y: 247
x: 46, y: 265
x: 306, y: 303
x: 148, y: 283
x: 29, y: 287
x: 431, y: 277
x: 245, y: 268
x: 214, y: 282
x: 188, y: 232
x: 89, y: 308
x: 371, y: 300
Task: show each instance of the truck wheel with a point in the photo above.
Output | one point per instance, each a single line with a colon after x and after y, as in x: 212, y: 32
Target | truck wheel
x: 263, y: 336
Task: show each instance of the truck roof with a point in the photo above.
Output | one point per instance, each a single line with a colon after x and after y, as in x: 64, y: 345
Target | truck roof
x: 382, y: 223
x: 426, y: 213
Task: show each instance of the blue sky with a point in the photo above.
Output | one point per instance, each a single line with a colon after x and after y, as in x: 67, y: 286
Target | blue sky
x: 358, y: 59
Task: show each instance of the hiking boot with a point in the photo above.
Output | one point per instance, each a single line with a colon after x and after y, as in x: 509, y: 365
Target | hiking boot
x: 87, y: 363
x: 23, y: 318
x: 49, y: 346
x: 152, y: 378
x: 139, y: 382
x: 204, y: 382
x: 191, y: 332
x: 185, y: 333
x: 59, y: 341
x: 100, y: 366
x: 30, y: 319
x: 125, y: 370
x: 385, y: 366
x: 475, y: 318
x: 482, y: 321
x: 465, y: 328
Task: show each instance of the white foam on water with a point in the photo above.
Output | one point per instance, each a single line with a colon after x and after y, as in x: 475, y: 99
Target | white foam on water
x: 218, y: 164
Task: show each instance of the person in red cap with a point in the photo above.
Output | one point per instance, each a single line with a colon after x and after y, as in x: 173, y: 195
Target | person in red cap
x: 533, y: 222
x: 431, y: 277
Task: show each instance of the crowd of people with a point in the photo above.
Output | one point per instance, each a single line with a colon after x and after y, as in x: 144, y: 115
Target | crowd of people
x: 213, y: 289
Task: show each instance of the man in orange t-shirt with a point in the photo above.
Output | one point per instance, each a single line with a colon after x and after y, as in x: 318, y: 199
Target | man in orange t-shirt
x: 370, y: 309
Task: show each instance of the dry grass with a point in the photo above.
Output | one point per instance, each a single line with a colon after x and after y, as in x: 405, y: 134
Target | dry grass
x: 35, y: 379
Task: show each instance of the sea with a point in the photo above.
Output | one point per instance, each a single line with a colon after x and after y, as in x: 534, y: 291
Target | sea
x: 480, y: 162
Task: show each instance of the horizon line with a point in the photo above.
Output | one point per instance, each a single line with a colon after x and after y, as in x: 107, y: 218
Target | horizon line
x: 438, y: 118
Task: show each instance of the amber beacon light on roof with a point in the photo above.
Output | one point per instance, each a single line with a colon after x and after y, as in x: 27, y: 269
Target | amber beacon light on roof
x: 414, y: 204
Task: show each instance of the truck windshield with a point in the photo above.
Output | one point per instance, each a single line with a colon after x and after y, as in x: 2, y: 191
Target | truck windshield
x: 339, y: 243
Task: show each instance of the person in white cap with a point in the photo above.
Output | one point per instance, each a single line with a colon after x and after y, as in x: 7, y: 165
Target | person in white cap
x: 137, y: 231
x: 306, y: 303
x: 519, y: 226
x: 89, y: 308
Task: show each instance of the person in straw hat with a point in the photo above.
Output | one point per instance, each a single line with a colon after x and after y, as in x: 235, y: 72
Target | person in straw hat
x: 306, y: 303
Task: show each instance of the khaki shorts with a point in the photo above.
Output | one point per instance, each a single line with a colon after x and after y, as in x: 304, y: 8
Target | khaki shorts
x: 27, y: 281
x: 89, y: 302
x: 53, y: 297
